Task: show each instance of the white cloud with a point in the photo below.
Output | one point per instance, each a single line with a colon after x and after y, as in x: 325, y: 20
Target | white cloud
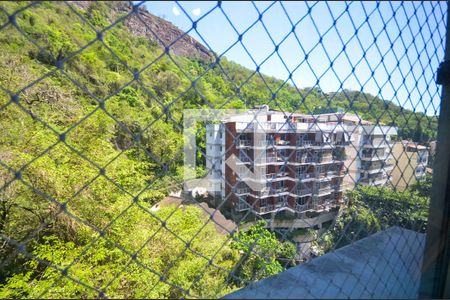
x: 175, y: 11
x: 197, y: 11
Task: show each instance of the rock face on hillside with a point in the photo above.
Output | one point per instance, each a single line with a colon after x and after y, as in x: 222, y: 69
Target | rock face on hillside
x: 158, y: 30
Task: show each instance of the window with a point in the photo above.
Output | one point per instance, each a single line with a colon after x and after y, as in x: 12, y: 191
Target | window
x: 320, y: 169
x: 301, y: 169
x: 302, y: 200
x: 263, y: 202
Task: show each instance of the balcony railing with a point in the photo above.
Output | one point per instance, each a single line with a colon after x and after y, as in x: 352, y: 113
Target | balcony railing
x: 323, y: 190
x: 303, y: 207
x: 374, y: 156
x: 312, y: 159
x: 280, y: 190
x: 275, y: 175
x: 327, y: 158
x: 375, y: 144
x: 241, y: 191
x: 302, y: 192
x: 263, y: 209
x: 282, y: 142
x: 267, y: 159
x: 242, y: 206
x: 305, y: 175
x: 304, y: 143
x: 264, y: 143
x: 308, y: 143
x: 242, y: 143
x: 373, y: 181
x: 270, y: 192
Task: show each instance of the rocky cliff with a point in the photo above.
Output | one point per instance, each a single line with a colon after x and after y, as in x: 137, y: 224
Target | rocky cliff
x: 142, y: 23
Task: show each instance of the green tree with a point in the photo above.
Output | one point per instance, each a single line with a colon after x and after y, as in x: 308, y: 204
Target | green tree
x: 423, y: 187
x: 372, y: 209
x: 262, y: 253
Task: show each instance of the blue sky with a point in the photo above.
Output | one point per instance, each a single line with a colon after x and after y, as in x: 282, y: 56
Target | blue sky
x: 407, y: 50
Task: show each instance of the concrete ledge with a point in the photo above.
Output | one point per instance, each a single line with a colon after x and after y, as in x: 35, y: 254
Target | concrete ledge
x: 384, y: 265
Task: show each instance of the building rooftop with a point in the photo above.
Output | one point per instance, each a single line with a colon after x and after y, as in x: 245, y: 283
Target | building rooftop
x: 413, y: 146
x: 386, y: 264
x: 263, y: 110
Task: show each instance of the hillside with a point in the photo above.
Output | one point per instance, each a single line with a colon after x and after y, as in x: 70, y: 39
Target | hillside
x: 154, y: 28
x: 94, y: 137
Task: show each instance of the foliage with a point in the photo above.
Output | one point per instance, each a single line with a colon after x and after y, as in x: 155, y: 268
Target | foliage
x: 100, y: 264
x: 423, y: 187
x: 263, y: 254
x: 372, y: 209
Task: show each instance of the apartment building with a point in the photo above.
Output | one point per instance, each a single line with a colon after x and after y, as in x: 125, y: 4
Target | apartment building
x: 368, y: 153
x: 305, y: 162
x: 411, y: 161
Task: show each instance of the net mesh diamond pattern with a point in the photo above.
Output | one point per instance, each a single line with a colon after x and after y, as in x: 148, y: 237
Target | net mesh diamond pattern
x: 93, y: 96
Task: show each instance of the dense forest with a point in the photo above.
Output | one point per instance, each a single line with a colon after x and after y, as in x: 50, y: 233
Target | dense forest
x: 92, y: 139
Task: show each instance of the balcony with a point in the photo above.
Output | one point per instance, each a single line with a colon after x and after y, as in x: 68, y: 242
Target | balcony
x: 272, y: 207
x: 303, y: 192
x: 275, y: 175
x: 373, y: 181
x: 303, y: 207
x: 269, y: 160
x: 378, y: 143
x: 242, y: 206
x: 314, y: 144
x: 267, y: 126
x: 243, y: 143
x: 304, y: 143
x: 264, y: 143
x: 313, y: 159
x: 241, y: 191
x: 304, y: 176
x: 372, y: 169
x: 333, y: 173
x: 280, y: 190
x: 374, y: 157
x: 282, y: 143
x: 340, y: 144
x: 263, y: 209
x: 270, y: 192
x: 325, y: 190
x: 326, y: 159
